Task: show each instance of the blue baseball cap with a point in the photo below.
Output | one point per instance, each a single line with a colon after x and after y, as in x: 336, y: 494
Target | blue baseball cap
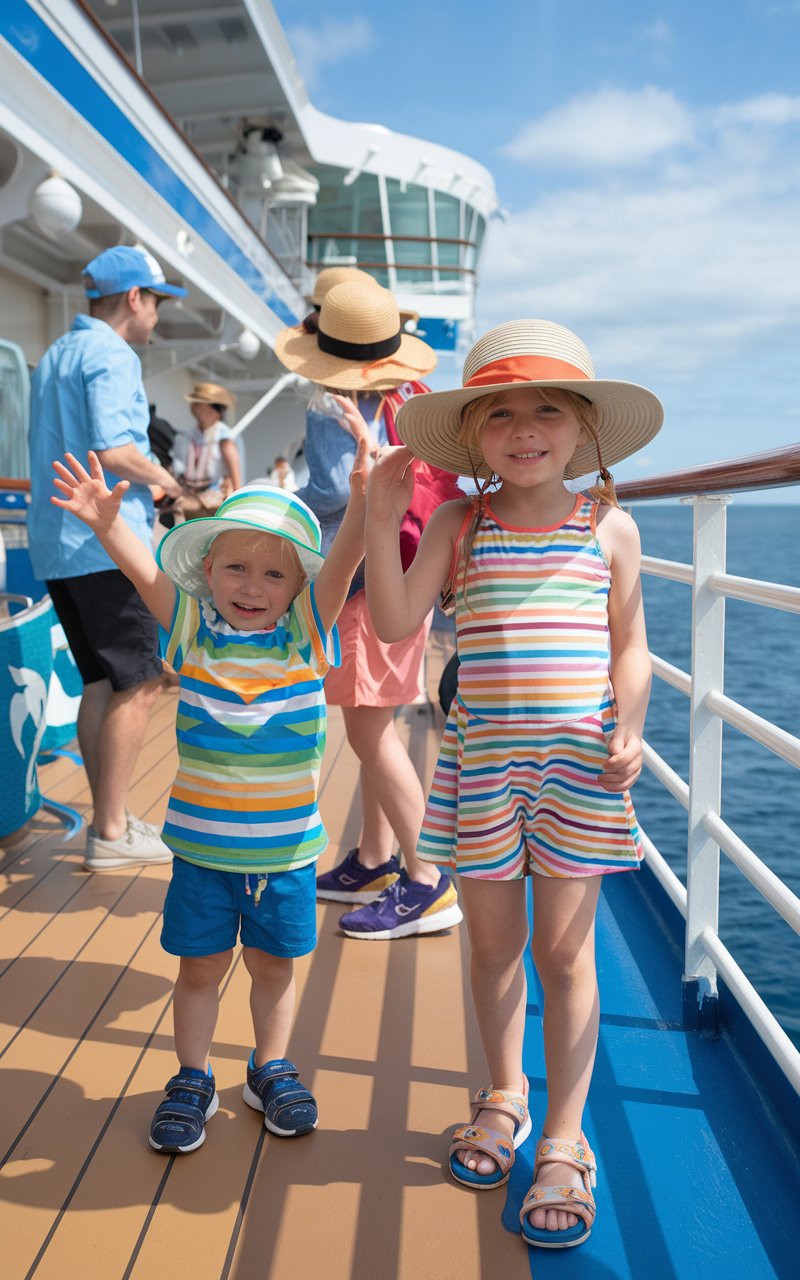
x: 122, y: 268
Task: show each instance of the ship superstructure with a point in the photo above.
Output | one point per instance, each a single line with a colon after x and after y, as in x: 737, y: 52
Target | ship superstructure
x: 188, y: 128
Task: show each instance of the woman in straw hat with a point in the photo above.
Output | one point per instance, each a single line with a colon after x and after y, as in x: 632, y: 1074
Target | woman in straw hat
x: 207, y: 462
x: 355, y: 347
x: 543, y: 740
x: 329, y: 277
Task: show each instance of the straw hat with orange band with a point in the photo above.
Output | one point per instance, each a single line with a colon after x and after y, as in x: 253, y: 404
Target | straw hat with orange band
x: 531, y: 353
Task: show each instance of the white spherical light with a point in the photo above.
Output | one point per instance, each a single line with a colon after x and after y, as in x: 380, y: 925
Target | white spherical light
x: 247, y: 345
x: 56, y: 207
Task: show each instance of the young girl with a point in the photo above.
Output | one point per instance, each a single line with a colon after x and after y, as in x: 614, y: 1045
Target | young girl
x: 250, y: 606
x: 544, y: 736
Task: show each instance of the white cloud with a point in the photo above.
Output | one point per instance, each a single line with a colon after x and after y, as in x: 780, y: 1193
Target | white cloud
x: 682, y: 275
x: 611, y: 128
x: 770, y: 109
x: 327, y: 43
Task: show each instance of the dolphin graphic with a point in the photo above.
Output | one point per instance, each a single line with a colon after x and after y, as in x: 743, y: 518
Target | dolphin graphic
x: 31, y: 701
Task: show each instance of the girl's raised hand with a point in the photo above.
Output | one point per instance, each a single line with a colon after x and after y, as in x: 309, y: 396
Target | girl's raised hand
x: 391, y: 484
x: 86, y: 494
x: 352, y: 419
x: 361, y: 468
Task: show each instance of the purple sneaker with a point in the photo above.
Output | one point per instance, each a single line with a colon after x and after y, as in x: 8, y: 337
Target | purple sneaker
x: 352, y: 882
x: 406, y: 907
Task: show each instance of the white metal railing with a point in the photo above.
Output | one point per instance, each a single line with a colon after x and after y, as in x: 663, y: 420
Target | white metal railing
x: 698, y: 901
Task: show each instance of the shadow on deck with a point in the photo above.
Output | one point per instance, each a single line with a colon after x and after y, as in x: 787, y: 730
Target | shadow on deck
x: 693, y: 1177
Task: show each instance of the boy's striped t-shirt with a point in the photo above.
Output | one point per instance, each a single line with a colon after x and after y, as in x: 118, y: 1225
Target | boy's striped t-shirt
x: 251, y: 733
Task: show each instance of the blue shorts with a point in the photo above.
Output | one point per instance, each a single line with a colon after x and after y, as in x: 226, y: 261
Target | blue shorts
x: 205, y: 910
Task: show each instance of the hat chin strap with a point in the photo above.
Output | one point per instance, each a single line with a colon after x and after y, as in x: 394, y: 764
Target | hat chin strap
x: 604, y: 488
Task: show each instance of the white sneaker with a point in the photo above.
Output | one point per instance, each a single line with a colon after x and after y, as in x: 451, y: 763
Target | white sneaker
x: 138, y: 824
x: 136, y: 847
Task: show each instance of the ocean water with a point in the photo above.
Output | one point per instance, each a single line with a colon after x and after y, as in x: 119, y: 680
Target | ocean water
x: 761, y: 793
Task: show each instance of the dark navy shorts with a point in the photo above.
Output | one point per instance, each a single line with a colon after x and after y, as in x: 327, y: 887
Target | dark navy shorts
x: 111, y: 632
x: 206, y: 911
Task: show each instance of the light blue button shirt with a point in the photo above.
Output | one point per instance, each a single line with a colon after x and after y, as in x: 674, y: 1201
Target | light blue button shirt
x: 87, y: 393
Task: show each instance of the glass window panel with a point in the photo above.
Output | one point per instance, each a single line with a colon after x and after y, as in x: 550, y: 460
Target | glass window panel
x: 448, y: 220
x: 408, y: 213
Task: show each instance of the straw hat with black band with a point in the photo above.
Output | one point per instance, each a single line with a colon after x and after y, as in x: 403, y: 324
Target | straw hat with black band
x: 531, y: 353
x: 329, y: 277
x: 359, y: 345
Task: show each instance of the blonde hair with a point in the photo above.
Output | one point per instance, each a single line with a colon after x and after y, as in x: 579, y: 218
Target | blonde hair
x: 474, y: 416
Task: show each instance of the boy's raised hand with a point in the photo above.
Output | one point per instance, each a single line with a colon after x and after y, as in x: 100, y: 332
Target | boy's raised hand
x: 86, y: 494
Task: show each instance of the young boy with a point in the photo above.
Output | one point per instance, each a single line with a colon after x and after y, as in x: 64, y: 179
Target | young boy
x: 249, y: 605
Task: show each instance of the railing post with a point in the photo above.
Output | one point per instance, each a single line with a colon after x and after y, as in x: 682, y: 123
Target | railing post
x: 700, y: 1001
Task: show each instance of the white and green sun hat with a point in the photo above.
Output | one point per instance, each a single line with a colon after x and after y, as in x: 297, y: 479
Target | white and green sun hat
x: 255, y: 506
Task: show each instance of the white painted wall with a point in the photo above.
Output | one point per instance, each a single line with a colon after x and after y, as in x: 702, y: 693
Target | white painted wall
x: 23, y: 315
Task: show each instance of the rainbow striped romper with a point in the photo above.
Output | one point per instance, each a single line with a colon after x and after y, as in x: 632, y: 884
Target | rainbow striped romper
x: 515, y: 788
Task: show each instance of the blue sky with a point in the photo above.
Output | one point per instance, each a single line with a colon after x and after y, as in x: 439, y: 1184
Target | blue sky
x: 648, y: 159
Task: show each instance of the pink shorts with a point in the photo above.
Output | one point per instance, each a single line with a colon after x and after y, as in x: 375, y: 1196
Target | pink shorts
x: 374, y: 674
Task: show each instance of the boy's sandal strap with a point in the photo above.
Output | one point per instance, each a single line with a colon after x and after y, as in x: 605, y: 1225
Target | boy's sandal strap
x: 289, y: 1101
x: 490, y: 1142
x: 203, y: 1086
x: 179, y: 1113
x: 277, y: 1069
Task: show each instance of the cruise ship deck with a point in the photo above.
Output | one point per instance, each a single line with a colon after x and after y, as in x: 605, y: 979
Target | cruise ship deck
x: 385, y: 1037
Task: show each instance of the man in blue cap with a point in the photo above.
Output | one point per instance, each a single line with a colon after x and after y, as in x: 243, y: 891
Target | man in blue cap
x: 87, y: 393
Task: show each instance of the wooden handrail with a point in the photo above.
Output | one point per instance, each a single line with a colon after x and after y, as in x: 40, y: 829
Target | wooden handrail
x: 769, y: 470
x: 10, y: 485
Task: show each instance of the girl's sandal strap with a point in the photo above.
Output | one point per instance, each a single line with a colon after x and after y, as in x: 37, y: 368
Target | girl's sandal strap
x: 489, y: 1142
x: 568, y: 1199
x: 513, y: 1105
x: 577, y: 1155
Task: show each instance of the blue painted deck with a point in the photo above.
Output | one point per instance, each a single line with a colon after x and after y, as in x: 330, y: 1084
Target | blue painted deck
x: 696, y: 1175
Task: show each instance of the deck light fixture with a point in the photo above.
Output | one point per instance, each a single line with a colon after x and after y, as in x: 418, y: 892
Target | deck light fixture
x: 247, y: 345
x: 55, y: 206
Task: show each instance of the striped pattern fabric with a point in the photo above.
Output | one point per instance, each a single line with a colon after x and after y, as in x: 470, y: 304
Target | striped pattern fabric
x: 533, y: 629
x: 276, y: 510
x: 505, y: 800
x: 516, y: 784
x: 251, y: 733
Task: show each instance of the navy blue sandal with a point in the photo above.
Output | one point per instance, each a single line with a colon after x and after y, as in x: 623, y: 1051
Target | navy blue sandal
x: 179, y: 1124
x: 289, y: 1109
